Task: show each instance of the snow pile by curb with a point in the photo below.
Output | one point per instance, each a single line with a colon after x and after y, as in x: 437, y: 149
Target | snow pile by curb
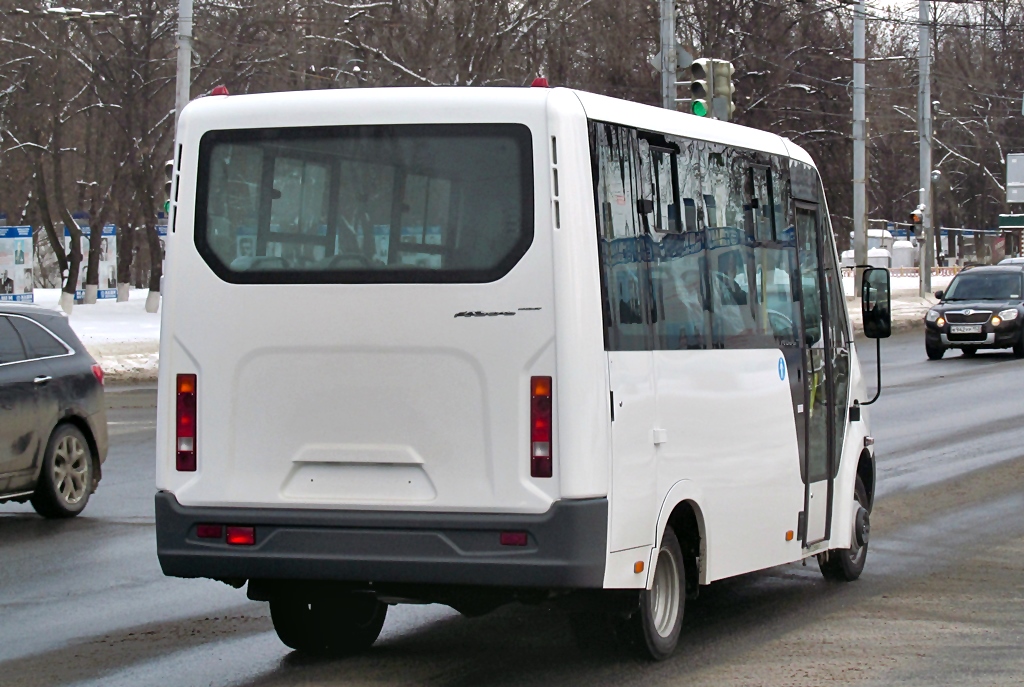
x: 122, y: 337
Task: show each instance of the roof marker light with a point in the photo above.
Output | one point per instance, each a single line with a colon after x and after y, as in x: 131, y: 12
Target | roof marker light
x: 539, y: 82
x: 220, y: 90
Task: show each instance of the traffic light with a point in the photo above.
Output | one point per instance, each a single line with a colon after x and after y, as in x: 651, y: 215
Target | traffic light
x: 700, y: 90
x: 168, y: 185
x: 722, y: 105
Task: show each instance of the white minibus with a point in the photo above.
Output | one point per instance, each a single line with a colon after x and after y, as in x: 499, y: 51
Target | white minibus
x: 480, y: 345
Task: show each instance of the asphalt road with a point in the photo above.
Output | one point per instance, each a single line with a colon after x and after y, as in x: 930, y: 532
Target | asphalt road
x: 941, y: 601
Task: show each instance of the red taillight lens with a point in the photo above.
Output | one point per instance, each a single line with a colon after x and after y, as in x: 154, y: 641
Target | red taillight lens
x: 97, y: 372
x: 540, y: 426
x: 185, y: 435
x: 209, y: 531
x: 513, y: 539
x: 242, y: 536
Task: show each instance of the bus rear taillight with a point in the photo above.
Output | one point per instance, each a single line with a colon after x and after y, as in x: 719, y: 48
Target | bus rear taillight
x: 185, y: 435
x: 540, y: 426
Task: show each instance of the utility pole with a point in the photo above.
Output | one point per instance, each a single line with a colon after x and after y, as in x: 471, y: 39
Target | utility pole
x: 668, y: 54
x: 924, y: 127
x: 860, y: 220
x: 182, y: 91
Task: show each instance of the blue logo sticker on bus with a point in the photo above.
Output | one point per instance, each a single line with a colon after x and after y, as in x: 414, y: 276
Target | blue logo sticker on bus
x: 782, y: 369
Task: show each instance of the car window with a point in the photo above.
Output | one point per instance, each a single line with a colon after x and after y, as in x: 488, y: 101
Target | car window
x: 11, y: 350
x: 39, y: 343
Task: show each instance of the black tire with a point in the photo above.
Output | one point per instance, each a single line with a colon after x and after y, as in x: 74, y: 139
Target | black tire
x: 654, y: 629
x: 336, y: 626
x: 66, y: 477
x: 934, y: 352
x: 1018, y: 347
x: 969, y: 351
x: 846, y: 565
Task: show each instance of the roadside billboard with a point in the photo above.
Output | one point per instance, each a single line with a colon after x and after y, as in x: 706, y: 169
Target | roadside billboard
x: 107, y: 287
x: 16, y: 264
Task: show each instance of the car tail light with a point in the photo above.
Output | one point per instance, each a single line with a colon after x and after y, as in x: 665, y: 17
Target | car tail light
x: 97, y: 372
x: 540, y: 426
x: 185, y: 435
x: 242, y: 536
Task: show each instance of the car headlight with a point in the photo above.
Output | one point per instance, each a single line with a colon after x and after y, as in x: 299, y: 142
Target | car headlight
x: 932, y: 315
x: 1009, y: 314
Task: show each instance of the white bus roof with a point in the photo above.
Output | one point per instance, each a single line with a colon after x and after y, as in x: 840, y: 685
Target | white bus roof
x: 413, y: 105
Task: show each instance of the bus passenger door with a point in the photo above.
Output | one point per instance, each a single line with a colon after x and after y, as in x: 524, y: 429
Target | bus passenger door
x: 816, y: 461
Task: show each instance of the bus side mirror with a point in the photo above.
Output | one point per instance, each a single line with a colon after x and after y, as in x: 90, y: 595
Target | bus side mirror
x: 875, y: 305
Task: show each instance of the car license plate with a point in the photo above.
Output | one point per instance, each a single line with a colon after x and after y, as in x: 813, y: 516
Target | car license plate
x: 965, y: 329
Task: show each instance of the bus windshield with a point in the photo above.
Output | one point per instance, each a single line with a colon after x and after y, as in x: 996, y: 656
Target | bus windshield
x: 365, y: 203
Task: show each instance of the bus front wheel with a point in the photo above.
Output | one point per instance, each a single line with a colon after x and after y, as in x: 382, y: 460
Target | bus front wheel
x: 329, y: 627
x: 846, y: 565
x: 655, y: 627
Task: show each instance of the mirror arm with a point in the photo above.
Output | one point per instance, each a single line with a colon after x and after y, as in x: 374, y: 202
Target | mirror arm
x: 878, y: 365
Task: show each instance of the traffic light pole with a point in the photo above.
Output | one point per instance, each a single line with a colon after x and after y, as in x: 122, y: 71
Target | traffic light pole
x: 924, y: 126
x: 860, y: 220
x: 668, y: 54
x: 184, y: 77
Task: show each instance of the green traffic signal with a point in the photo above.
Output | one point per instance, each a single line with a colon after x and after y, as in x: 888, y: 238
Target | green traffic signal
x: 699, y: 108
x: 167, y: 207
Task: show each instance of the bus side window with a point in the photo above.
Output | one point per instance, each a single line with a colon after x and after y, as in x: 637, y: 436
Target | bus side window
x: 625, y: 247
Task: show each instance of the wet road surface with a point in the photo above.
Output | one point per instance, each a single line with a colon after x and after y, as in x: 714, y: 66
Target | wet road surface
x: 941, y: 601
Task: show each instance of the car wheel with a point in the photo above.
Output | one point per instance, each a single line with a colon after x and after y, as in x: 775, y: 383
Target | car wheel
x: 846, y: 565
x: 655, y: 627
x: 934, y: 352
x: 333, y: 626
x: 969, y: 351
x: 1018, y: 347
x: 65, y: 480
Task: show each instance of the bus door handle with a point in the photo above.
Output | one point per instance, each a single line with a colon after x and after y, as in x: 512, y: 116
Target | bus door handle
x: 660, y: 436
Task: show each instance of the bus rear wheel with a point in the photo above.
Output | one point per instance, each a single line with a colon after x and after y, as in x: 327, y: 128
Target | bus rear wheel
x: 655, y: 627
x: 846, y: 565
x: 334, y: 626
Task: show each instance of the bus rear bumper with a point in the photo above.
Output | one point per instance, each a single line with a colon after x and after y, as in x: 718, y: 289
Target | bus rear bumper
x: 564, y: 547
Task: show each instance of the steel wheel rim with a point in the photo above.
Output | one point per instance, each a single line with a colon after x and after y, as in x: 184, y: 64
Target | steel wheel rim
x: 856, y: 551
x: 664, y: 597
x: 70, y: 470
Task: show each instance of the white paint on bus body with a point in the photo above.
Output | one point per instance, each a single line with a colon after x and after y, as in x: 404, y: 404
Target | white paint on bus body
x: 384, y: 400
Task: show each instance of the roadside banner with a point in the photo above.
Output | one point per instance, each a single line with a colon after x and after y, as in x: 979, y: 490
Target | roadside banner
x: 16, y: 264
x: 107, y: 287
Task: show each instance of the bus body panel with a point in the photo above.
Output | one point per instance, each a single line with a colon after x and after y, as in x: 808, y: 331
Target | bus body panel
x: 345, y: 395
x: 582, y: 385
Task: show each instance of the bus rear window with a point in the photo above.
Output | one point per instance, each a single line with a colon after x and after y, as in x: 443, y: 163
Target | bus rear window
x: 365, y: 204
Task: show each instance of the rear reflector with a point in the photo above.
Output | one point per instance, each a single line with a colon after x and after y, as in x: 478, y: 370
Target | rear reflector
x: 210, y: 531
x: 242, y: 536
x: 540, y: 426
x: 513, y: 538
x: 97, y: 372
x: 185, y: 435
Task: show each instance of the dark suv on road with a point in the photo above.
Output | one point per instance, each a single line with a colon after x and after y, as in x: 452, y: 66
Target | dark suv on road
x: 982, y: 308
x: 53, y: 421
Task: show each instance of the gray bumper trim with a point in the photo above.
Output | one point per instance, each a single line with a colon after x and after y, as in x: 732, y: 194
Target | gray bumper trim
x: 565, y: 546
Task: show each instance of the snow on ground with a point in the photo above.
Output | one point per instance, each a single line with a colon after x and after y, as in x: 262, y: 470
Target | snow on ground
x: 125, y: 339
x: 122, y: 337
